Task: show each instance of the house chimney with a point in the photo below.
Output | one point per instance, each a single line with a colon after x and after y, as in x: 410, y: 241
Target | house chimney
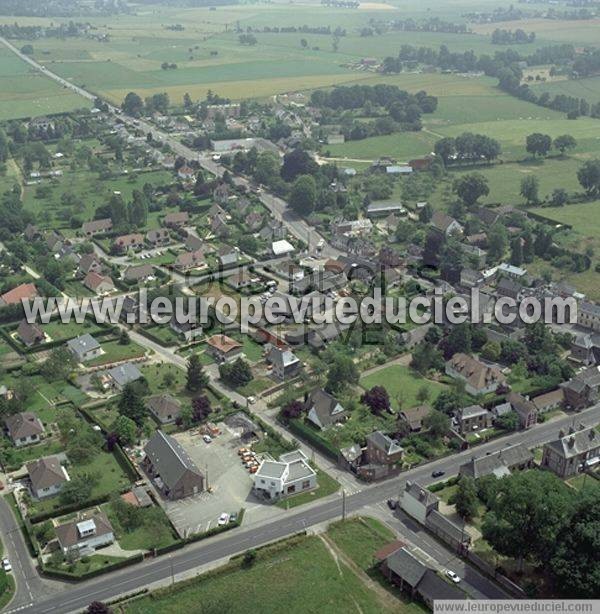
x: 571, y: 442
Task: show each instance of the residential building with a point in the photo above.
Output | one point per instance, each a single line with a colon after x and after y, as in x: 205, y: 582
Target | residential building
x: 286, y: 364
x: 193, y: 243
x: 472, y: 418
x: 383, y: 450
x: 95, y: 227
x: 16, y: 295
x: 588, y: 315
x: 414, y: 417
x: 282, y: 248
x: 524, y: 408
x: 188, y: 330
x: 158, y: 236
x: 124, y: 374
x: 582, y: 390
x: 190, y: 260
x: 446, y: 224
x: 228, y: 257
x: 509, y: 287
x: 275, y: 480
x: 479, y: 378
x: 134, y: 241
x: 178, y: 219
x: 30, y: 334
x: 573, y: 452
x: 323, y: 409
x: 23, y: 428
x: 47, y: 476
x: 84, y: 347
x: 417, y: 501
x: 500, y: 463
x: 385, y: 207
x: 164, y: 407
x: 85, y: 534
x: 89, y: 263
x: 138, y: 273
x: 223, y: 348
x: 549, y: 400
x: 172, y: 470
x: 100, y: 284
x: 185, y: 173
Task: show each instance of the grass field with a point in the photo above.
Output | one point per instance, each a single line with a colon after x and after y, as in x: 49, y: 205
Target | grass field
x: 307, y: 577
x: 24, y: 92
x: 402, y: 384
x: 115, y: 352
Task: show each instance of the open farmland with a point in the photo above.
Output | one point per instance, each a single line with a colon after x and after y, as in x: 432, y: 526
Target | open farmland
x: 25, y: 93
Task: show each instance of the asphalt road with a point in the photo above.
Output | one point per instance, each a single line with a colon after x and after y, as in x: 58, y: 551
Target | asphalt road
x: 131, y: 579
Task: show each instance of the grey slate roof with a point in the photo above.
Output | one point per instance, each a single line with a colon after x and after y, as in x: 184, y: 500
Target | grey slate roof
x: 497, y: 463
x: 81, y: 345
x: 576, y: 443
x: 420, y: 493
x: 169, y: 459
x: 442, y: 523
x: 123, y: 374
x: 383, y: 442
x: 405, y: 565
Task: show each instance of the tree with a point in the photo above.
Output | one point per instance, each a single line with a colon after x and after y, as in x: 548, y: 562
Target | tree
x: 236, y: 374
x: 58, y: 365
x: 497, y: 241
x: 169, y: 379
x: 423, y: 394
x: 201, y: 408
x: 459, y: 339
x: 133, y: 105
x: 527, y: 515
x: 77, y: 490
x: 297, y: 162
x: 376, y: 399
x: 266, y: 168
x: 491, y: 351
x: 516, y: 251
x: 509, y: 421
x: 437, y: 424
x: 448, y: 401
x: 125, y: 429
x: 131, y: 404
x: 470, y: 188
x: 564, y: 142
x: 559, y: 197
x: 588, y: 176
x: 196, y: 377
x: 425, y: 214
x: 342, y: 371
x: 538, y: 144
x: 466, y: 498
x: 574, y: 564
x: 530, y: 186
x: 303, y: 196
x: 292, y: 410
x: 124, y: 338
x: 445, y: 148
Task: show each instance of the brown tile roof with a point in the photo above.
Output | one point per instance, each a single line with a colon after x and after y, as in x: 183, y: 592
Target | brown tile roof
x: 175, y: 219
x: 475, y: 373
x: 93, y: 280
x: 68, y: 535
x: 223, y: 343
x: 14, y: 296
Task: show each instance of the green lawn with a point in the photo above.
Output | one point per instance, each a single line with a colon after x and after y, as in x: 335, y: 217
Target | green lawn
x: 115, y: 352
x: 13, y: 458
x: 305, y: 574
x: 327, y: 486
x: 59, y: 331
x: 402, y: 384
x: 256, y: 386
x: 87, y: 564
x: 164, y: 334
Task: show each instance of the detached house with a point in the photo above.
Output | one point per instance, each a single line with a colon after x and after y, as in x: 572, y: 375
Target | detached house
x: 134, y: 241
x: 24, y: 428
x: 290, y: 475
x: 87, y: 532
x: 176, y: 220
x: 479, y: 378
x: 164, y: 407
x: 223, y: 348
x: 159, y: 236
x: 572, y: 452
x: 172, y: 470
x: 524, y: 408
x: 89, y: 263
x: 140, y: 272
x: 286, y: 364
x: 30, y: 334
x: 472, y: 418
x: 190, y: 260
x: 185, y: 173
x: 383, y: 450
x: 16, y: 295
x: 324, y: 410
x: 100, y: 284
x: 84, y: 348
x: 95, y: 227
x: 47, y: 476
x: 445, y: 224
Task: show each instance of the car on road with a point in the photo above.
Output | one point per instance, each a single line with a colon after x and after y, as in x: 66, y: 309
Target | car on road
x: 438, y: 473
x: 6, y: 565
x: 454, y: 577
x: 223, y: 519
x: 251, y: 400
x: 233, y: 517
x: 207, y: 438
x: 392, y: 503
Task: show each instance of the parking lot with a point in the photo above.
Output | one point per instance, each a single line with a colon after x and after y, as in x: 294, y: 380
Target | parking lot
x: 229, y: 483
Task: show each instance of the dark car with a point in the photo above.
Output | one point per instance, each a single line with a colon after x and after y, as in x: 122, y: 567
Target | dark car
x: 233, y: 517
x: 392, y: 503
x: 438, y: 473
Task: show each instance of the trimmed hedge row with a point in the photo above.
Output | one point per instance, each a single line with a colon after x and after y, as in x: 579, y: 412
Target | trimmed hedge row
x: 67, y: 575
x: 307, y: 433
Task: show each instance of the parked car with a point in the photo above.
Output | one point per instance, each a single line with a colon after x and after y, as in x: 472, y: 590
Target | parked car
x: 455, y: 578
x: 251, y: 400
x: 392, y: 503
x: 438, y: 473
x: 6, y: 565
x: 207, y: 438
x: 223, y: 519
x: 233, y: 517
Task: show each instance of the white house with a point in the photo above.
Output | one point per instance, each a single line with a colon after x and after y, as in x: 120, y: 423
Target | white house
x: 84, y: 348
x: 290, y: 475
x: 89, y: 532
x: 47, y: 476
